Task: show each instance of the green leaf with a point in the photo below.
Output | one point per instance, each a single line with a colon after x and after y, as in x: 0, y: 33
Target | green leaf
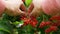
x: 18, y: 22
x: 57, y: 32
x: 39, y: 20
x: 51, y: 32
x: 6, y: 26
x: 3, y: 32
x: 28, y: 2
x: 11, y: 18
x: 21, y: 22
x: 26, y: 30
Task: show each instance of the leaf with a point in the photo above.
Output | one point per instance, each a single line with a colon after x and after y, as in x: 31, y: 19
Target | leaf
x: 26, y: 30
x: 39, y: 20
x: 51, y: 32
x: 21, y: 22
x: 18, y: 23
x: 57, y: 32
x: 6, y: 26
x: 3, y: 32
x: 28, y: 2
x: 11, y: 18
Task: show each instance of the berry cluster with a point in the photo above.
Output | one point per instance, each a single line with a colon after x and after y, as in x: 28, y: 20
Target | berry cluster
x: 51, y: 29
x: 53, y: 26
x: 55, y: 18
x: 43, y: 24
x: 32, y: 21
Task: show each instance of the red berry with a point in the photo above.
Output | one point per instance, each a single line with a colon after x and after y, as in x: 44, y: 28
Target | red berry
x: 55, y: 18
x: 48, y: 23
x: 53, y: 28
x: 42, y: 24
x: 26, y: 21
x: 50, y: 29
x: 47, y: 30
x: 56, y: 23
x: 33, y: 23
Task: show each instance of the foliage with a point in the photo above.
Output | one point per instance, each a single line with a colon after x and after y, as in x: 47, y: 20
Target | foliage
x: 23, y: 25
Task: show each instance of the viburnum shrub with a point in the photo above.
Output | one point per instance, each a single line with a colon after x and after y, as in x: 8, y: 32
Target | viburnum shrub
x: 30, y: 17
